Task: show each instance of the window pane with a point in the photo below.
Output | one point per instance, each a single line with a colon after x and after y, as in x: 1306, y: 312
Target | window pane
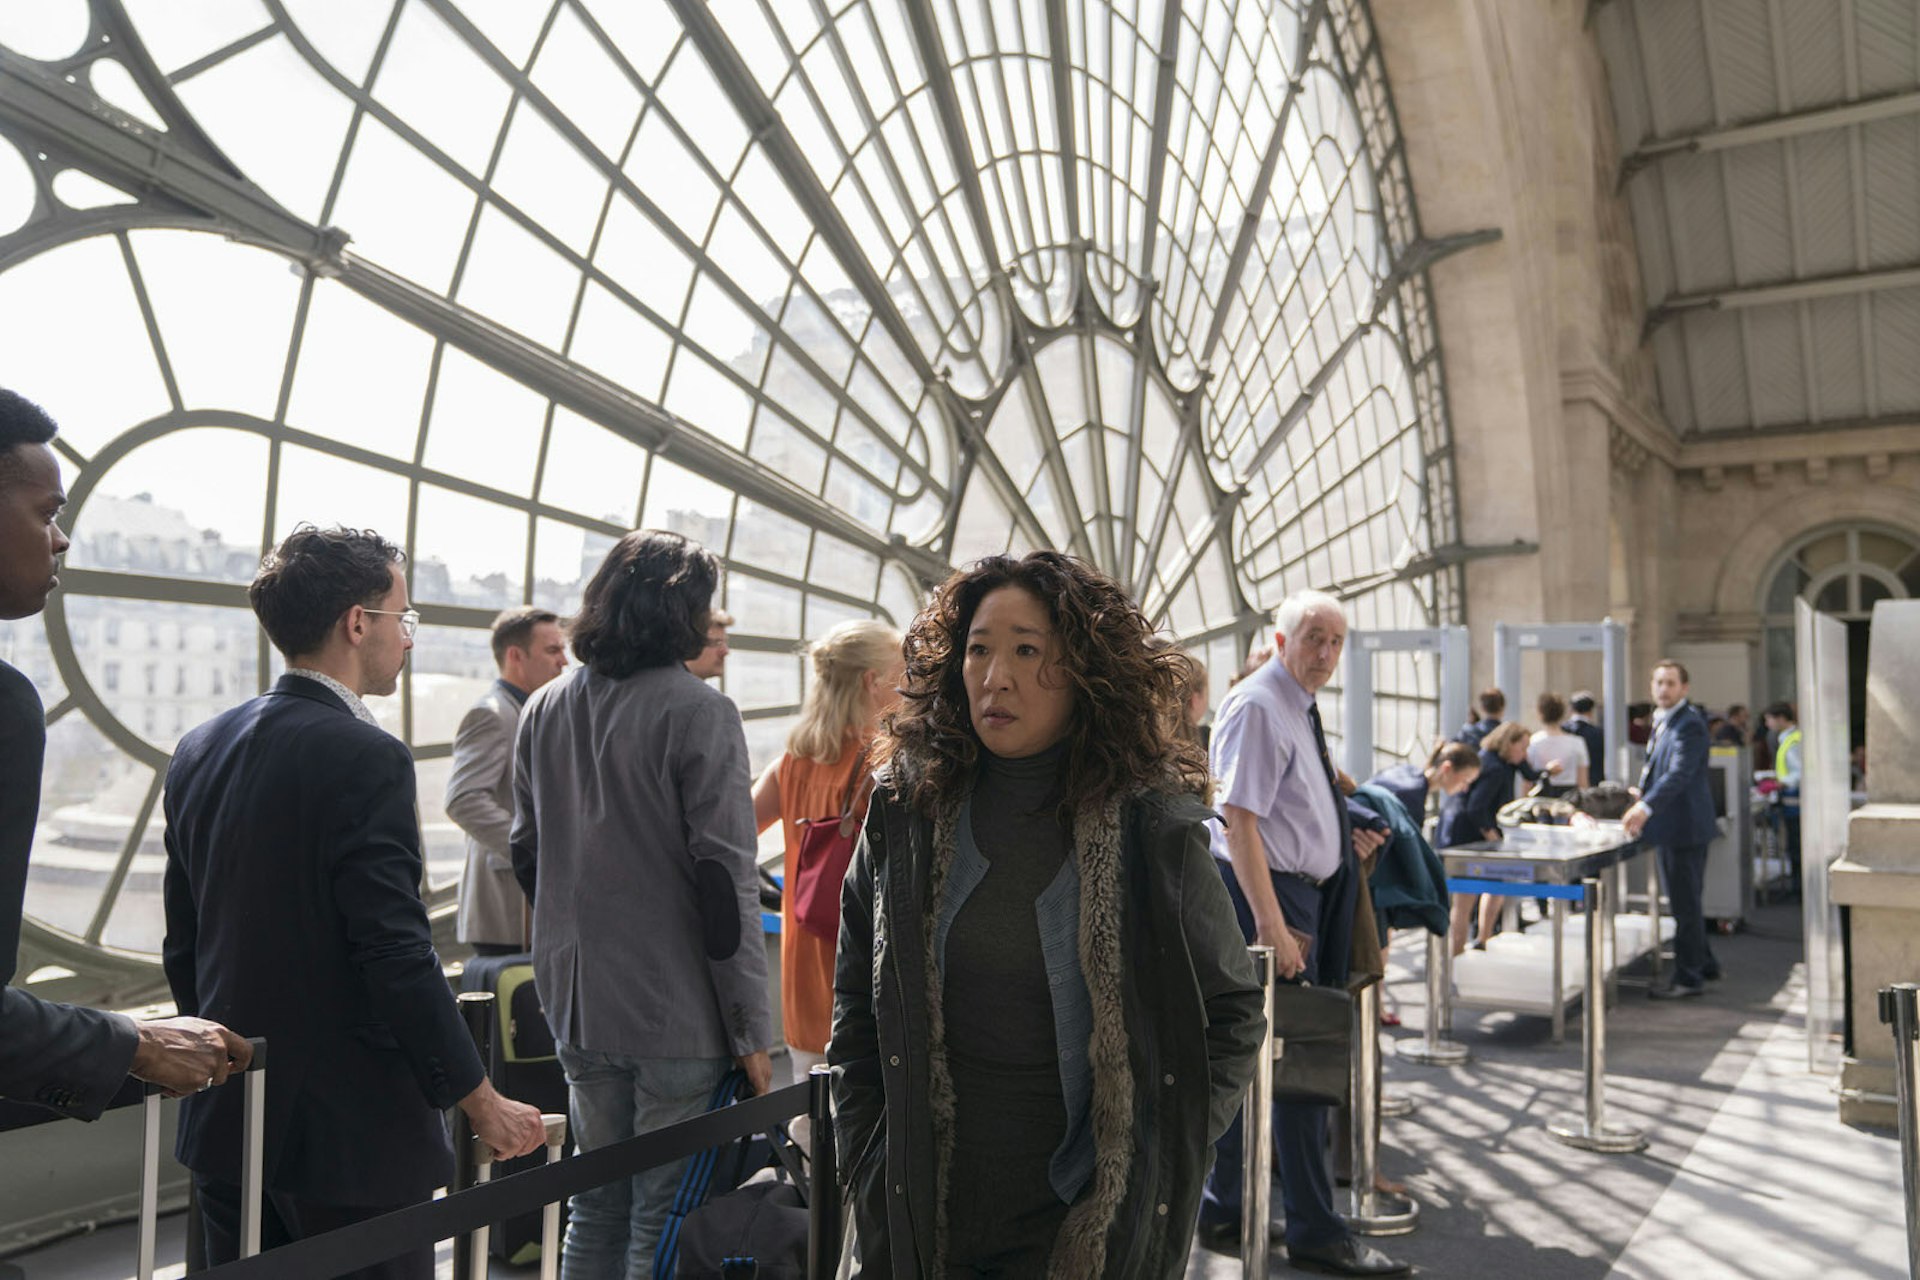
x: 188, y: 505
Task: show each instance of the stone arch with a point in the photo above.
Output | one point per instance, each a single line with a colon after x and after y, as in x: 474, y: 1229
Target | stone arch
x: 1758, y: 547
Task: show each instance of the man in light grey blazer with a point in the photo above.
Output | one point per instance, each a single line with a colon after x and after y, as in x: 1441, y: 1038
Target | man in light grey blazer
x: 529, y: 650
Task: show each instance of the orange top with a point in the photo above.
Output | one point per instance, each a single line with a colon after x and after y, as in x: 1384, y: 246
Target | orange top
x: 808, y: 789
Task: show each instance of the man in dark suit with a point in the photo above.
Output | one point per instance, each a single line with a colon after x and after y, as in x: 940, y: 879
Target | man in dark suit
x: 1492, y: 705
x: 1674, y: 810
x: 294, y: 912
x: 1582, y: 704
x: 70, y: 1059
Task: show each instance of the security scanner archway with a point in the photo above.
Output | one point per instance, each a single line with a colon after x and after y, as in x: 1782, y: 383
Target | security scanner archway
x: 1447, y: 643
x: 1607, y: 637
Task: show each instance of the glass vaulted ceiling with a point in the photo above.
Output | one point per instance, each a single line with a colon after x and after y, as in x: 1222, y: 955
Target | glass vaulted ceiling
x: 851, y: 292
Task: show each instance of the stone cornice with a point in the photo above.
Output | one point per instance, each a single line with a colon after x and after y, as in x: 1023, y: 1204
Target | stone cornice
x: 1799, y: 447
x: 1644, y: 435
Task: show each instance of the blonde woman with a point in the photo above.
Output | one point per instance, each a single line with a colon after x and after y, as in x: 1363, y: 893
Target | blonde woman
x: 856, y: 668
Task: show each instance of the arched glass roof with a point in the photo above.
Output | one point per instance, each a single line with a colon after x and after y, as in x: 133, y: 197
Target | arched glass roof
x: 850, y: 292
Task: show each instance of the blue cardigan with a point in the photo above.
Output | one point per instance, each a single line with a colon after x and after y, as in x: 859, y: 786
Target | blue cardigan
x: 1409, y: 881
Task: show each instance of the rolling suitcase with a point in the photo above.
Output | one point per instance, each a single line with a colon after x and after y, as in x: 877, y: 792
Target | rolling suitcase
x: 253, y: 1135
x: 525, y: 1067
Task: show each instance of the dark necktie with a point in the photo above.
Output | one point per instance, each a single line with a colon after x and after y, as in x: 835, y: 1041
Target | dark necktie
x: 1333, y: 780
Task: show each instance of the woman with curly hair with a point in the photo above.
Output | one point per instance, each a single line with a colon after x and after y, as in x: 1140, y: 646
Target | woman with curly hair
x: 1044, y: 1012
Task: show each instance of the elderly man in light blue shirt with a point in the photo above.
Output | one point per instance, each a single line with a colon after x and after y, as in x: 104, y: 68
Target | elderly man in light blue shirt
x: 1287, y: 854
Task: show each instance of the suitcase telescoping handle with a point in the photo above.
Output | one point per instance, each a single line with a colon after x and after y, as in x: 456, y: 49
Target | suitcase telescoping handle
x: 252, y: 1163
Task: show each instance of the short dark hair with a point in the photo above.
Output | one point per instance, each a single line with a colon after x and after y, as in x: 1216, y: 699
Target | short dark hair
x: 1780, y: 711
x: 1552, y: 708
x: 1582, y: 702
x: 21, y: 422
x: 1677, y: 665
x: 1736, y: 709
x: 1493, y: 703
x: 313, y: 577
x: 513, y: 629
x: 647, y: 605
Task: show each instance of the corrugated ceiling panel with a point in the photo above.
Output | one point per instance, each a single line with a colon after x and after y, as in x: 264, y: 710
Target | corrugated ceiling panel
x: 1650, y: 235
x: 1896, y: 346
x: 1742, y: 42
x: 1812, y: 32
x: 1779, y: 373
x: 1888, y: 32
x: 1825, y: 180
x: 1670, y: 366
x: 1718, y: 366
x: 1697, y: 219
x: 1892, y: 149
x: 1838, y: 370
x: 1757, y: 204
x: 1614, y: 29
x: 1673, y: 53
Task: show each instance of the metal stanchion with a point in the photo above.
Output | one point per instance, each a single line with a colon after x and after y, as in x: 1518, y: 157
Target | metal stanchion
x: 253, y: 1149
x: 1655, y: 960
x: 823, y: 1177
x: 1256, y: 1134
x: 550, y: 1215
x: 1557, y: 931
x: 1368, y: 1213
x: 1395, y: 1105
x: 1592, y: 1133
x: 1438, y: 1049
x: 472, y: 1159
x: 1900, y: 1008
x: 149, y: 1186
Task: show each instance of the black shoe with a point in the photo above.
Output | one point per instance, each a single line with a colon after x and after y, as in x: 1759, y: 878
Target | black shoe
x: 1346, y: 1257
x: 1713, y: 974
x: 1673, y: 991
x: 1224, y: 1237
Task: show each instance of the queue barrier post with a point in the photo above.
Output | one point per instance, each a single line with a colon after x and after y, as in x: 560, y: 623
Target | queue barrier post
x: 823, y: 1177
x: 252, y: 1164
x: 1900, y: 1009
x: 1368, y: 1213
x: 550, y: 1214
x: 1438, y: 1048
x: 1256, y: 1128
x: 472, y: 1158
x: 1591, y: 1132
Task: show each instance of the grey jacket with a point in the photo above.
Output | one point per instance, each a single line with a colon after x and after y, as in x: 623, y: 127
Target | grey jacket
x: 480, y: 801
x: 633, y: 835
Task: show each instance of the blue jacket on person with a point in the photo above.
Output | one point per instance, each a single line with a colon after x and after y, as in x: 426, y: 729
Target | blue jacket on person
x: 1409, y: 881
x: 1675, y: 784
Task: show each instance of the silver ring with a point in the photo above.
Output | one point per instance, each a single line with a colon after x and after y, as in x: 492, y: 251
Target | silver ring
x: 207, y: 1085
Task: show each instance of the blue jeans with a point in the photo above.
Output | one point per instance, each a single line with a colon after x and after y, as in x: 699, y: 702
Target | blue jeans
x: 612, y: 1229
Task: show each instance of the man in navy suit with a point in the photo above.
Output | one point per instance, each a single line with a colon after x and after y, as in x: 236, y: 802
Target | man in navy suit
x: 1581, y: 722
x: 1674, y: 810
x: 69, y: 1059
x: 294, y: 912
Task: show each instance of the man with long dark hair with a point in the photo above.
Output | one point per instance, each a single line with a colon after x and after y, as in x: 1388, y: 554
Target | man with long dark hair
x: 633, y: 835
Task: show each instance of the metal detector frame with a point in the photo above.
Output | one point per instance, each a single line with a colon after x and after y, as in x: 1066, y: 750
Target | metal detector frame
x: 1607, y: 637
x: 1448, y: 643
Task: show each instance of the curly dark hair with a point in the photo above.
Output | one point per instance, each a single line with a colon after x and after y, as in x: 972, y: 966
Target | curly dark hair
x: 314, y: 576
x: 647, y: 604
x: 1126, y: 690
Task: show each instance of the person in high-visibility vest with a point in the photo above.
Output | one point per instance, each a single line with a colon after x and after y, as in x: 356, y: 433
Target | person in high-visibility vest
x: 1782, y: 726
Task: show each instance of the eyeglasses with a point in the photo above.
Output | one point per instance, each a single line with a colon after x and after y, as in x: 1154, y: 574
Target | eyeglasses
x: 409, y: 619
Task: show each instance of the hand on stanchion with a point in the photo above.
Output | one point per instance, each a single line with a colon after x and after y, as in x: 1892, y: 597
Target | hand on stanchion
x: 510, y: 1128
x: 186, y: 1055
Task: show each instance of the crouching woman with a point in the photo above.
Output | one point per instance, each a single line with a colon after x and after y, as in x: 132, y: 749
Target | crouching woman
x: 1044, y: 1012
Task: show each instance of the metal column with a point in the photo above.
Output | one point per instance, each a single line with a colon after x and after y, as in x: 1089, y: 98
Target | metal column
x: 472, y: 1158
x: 823, y: 1198
x: 1438, y: 1048
x: 1367, y: 1213
x: 556, y: 1127
x: 1900, y: 1008
x: 1591, y: 1132
x: 1256, y: 1127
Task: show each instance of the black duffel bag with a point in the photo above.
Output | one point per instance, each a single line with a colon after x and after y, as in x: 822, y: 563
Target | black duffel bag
x: 755, y: 1232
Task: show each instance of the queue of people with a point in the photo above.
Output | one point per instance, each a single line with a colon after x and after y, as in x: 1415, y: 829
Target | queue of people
x: 1035, y: 995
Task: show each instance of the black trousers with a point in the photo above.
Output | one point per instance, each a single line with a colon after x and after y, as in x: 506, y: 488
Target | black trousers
x: 284, y: 1219
x: 1684, y: 869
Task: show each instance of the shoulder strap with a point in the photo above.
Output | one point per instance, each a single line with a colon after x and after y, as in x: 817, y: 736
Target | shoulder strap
x: 859, y: 789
